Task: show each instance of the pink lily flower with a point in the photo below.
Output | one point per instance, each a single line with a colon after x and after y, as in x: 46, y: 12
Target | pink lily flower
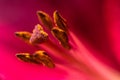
x: 86, y: 60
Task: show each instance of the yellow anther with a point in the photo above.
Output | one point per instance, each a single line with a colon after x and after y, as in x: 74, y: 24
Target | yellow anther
x: 26, y: 57
x: 39, y: 35
x: 23, y: 35
x: 45, y: 19
x: 61, y: 36
x: 59, y: 21
x: 44, y: 59
x: 39, y: 57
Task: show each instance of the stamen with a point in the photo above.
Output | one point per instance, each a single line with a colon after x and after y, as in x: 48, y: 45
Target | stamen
x: 26, y: 57
x: 45, y: 19
x: 39, y: 35
x: 24, y: 35
x: 61, y: 36
x: 44, y: 59
x: 59, y: 21
x: 39, y: 57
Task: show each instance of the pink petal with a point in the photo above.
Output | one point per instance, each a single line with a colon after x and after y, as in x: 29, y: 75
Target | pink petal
x: 13, y: 69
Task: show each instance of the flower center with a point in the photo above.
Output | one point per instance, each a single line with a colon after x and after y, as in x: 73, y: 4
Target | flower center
x: 40, y: 38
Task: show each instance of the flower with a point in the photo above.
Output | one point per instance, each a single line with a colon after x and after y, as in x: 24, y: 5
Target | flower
x: 21, y: 71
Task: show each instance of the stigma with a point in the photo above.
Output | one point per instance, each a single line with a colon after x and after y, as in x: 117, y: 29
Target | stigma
x: 38, y: 35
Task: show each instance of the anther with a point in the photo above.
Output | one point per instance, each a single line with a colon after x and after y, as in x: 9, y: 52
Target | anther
x: 26, y: 57
x: 41, y: 56
x: 59, y: 21
x: 38, y: 35
x: 23, y: 35
x: 62, y: 37
x: 45, y: 19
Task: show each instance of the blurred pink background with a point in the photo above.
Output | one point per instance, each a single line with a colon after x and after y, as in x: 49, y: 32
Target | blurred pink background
x: 95, y: 22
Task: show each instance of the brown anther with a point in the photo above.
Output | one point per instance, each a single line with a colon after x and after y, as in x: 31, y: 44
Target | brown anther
x: 39, y: 57
x: 45, y: 19
x: 23, y: 35
x: 62, y: 37
x: 59, y: 21
x: 42, y: 57
x: 39, y: 35
x: 26, y: 57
